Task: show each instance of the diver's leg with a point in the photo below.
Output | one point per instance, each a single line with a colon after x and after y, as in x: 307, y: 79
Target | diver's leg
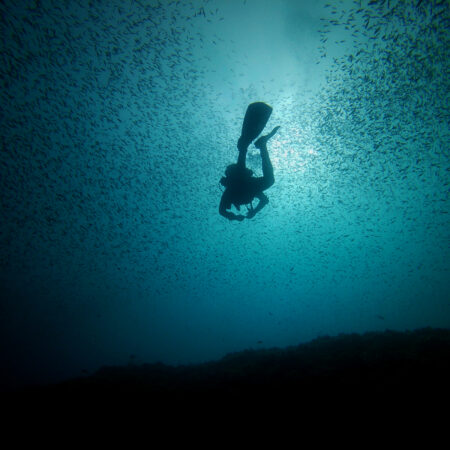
x: 242, y: 147
x: 267, y: 167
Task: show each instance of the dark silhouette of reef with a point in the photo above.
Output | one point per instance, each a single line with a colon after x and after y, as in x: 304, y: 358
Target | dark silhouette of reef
x: 372, y: 365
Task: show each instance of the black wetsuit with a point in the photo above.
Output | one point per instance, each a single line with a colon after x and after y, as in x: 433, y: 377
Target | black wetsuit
x: 242, y: 188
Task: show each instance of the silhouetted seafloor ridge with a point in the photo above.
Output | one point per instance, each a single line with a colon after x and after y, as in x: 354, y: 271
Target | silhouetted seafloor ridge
x: 349, y: 365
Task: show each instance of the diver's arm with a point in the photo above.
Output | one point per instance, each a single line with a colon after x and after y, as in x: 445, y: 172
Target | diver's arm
x: 263, y: 200
x: 224, y: 205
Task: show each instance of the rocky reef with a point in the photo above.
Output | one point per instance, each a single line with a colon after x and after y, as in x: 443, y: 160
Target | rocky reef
x: 371, y: 365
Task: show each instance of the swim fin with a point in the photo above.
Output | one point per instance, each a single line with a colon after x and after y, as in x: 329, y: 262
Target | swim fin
x: 263, y: 139
x: 255, y: 120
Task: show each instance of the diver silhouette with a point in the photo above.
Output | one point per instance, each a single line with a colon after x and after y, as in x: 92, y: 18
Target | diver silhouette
x: 241, y: 187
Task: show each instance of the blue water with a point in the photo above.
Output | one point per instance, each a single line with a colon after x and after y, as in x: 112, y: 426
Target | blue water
x: 118, y: 119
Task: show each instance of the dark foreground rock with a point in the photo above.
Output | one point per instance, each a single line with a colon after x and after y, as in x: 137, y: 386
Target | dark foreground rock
x: 373, y: 365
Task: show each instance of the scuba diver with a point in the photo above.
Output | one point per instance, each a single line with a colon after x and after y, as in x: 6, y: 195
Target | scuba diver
x: 241, y: 187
